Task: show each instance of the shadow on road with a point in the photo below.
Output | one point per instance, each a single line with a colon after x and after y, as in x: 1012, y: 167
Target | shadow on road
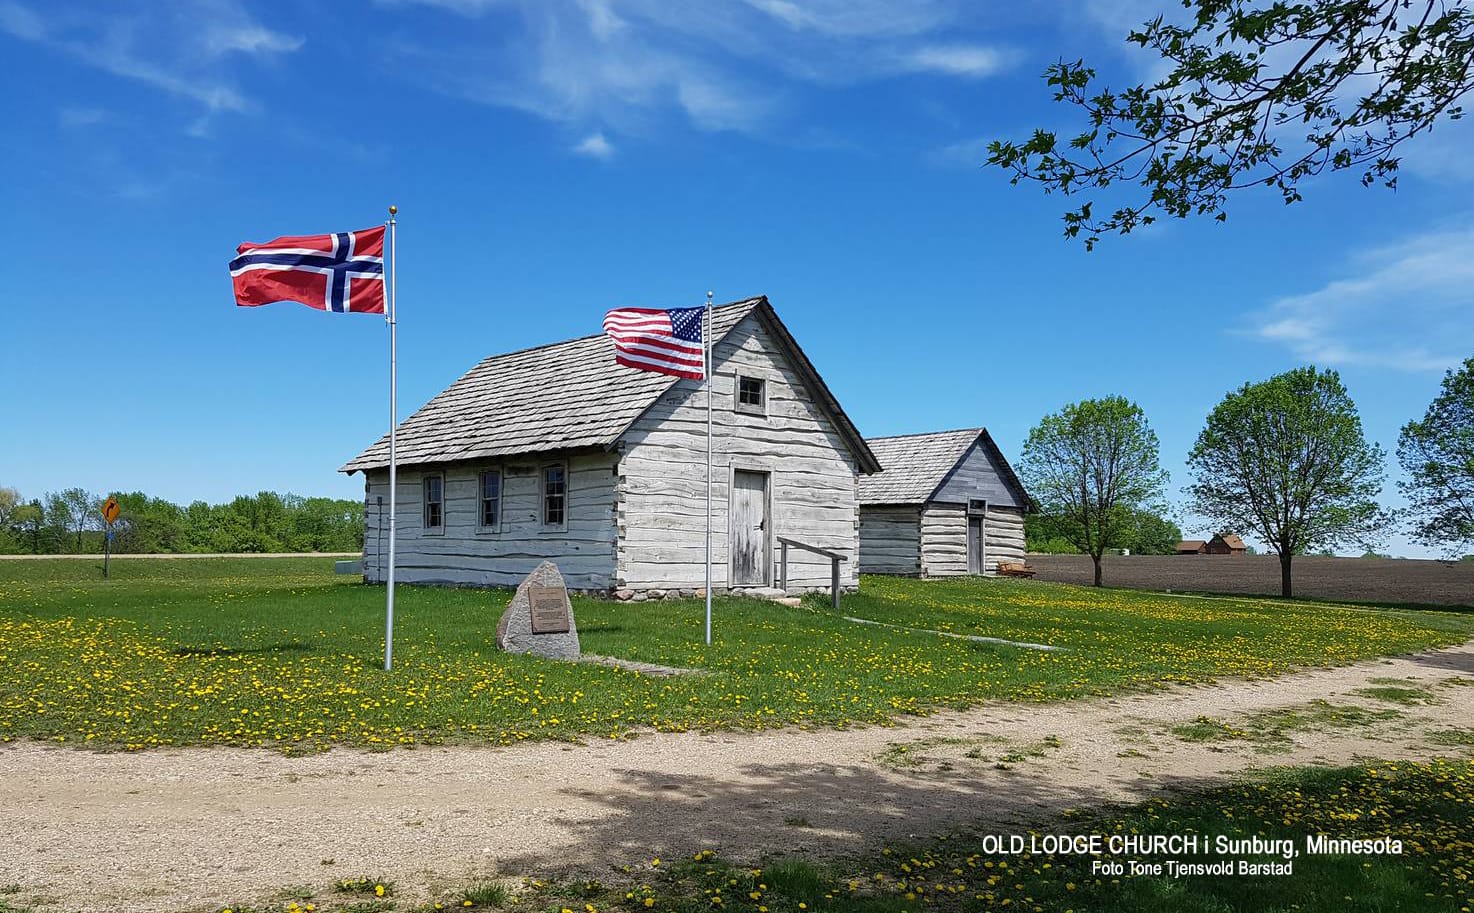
x: 812, y: 809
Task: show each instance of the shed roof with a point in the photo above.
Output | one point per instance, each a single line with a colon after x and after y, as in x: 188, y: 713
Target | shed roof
x: 1232, y: 540
x: 566, y: 396
x: 1191, y: 545
x: 916, y: 465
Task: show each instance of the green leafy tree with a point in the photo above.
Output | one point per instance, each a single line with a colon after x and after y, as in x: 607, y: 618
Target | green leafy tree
x: 199, y: 525
x: 1150, y: 533
x: 1254, y: 94
x: 1437, y: 453
x: 148, y: 525
x: 1044, y: 533
x: 72, y: 513
x: 70, y: 520
x: 10, y: 500
x: 326, y: 524
x: 1089, y: 466
x: 1144, y: 532
x: 29, y: 522
x: 1287, y: 458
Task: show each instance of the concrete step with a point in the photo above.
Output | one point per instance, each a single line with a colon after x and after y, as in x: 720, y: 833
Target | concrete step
x: 772, y: 594
x: 758, y: 592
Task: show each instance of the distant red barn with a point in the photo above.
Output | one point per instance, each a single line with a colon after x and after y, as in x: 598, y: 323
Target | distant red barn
x: 1226, y: 544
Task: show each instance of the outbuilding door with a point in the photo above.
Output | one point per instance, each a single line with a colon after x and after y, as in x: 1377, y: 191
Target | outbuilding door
x: 977, y: 536
x: 749, y: 535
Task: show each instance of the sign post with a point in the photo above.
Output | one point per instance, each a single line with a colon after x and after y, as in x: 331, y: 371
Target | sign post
x: 110, y: 511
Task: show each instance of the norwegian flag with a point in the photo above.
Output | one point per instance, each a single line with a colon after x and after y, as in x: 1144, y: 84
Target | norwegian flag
x: 341, y: 272
x: 666, y: 342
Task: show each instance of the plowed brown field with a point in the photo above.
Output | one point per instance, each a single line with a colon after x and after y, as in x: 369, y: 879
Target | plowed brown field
x: 1380, y: 580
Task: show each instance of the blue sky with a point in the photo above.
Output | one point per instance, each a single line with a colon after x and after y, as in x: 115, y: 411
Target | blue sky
x: 554, y: 159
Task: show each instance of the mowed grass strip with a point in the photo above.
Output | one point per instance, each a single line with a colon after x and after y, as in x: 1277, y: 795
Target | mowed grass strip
x: 283, y: 653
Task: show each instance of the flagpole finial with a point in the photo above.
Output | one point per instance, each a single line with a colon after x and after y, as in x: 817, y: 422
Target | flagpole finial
x: 709, y: 294
x: 393, y: 210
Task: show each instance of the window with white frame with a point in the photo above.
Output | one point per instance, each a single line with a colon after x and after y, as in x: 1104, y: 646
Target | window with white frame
x: 555, y: 494
x: 489, y: 492
x: 752, y: 394
x: 434, y: 503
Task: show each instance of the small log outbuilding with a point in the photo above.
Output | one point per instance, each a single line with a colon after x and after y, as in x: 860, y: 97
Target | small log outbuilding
x: 945, y: 504
x: 558, y: 453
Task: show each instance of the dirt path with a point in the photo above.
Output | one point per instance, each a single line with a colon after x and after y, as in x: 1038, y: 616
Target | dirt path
x: 197, y: 828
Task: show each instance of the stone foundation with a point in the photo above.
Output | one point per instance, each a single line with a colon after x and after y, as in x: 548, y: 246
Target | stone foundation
x: 631, y: 595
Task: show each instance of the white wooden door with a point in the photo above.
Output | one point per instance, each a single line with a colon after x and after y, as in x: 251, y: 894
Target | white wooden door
x: 975, y: 546
x: 749, y: 534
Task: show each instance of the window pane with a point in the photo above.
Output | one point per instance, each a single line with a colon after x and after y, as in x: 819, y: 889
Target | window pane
x: 749, y: 391
x: 554, y: 495
x: 491, y: 496
x: 434, y: 502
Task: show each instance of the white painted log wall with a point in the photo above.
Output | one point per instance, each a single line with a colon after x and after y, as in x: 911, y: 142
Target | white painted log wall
x: 1005, y: 536
x: 465, y: 554
x: 890, y: 540
x: 813, y: 489
x: 944, y: 538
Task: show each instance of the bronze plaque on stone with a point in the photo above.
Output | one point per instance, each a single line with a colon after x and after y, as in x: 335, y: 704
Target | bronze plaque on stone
x: 549, y: 609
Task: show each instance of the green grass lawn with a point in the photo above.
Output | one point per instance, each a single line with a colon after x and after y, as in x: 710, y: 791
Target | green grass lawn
x: 281, y: 652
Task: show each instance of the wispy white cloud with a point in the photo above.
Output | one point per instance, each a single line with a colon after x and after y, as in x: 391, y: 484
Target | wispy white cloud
x: 1404, y: 306
x: 248, y: 38
x: 77, y: 118
x: 857, y: 18
x: 179, y: 48
x: 630, y: 66
x: 1442, y: 154
x: 971, y: 61
x: 970, y: 153
x: 21, y: 22
x: 595, y: 146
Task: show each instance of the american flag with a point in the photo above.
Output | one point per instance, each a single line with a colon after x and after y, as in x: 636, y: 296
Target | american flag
x: 667, y: 342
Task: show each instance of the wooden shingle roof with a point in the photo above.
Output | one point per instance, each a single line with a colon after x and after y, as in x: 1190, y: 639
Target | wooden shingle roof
x: 563, y: 396
x: 914, y: 466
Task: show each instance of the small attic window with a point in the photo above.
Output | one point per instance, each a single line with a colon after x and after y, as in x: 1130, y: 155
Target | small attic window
x: 752, y: 395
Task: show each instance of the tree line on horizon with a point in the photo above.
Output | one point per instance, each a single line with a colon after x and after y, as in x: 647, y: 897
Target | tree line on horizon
x: 1284, y: 459
x: 1142, y: 532
x: 70, y: 522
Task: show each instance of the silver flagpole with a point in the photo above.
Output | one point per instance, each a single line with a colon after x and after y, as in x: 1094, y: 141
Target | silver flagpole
x: 706, y: 371
x: 393, y: 421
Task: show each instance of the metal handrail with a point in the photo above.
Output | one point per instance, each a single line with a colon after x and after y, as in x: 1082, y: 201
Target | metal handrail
x: 834, y: 559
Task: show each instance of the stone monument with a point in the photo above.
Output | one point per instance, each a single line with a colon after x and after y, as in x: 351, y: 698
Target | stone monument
x: 539, y: 619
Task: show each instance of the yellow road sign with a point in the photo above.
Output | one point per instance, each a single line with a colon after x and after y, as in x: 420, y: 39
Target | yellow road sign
x: 110, y: 510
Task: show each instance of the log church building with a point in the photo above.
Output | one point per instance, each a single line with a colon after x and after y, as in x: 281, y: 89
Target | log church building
x: 559, y: 453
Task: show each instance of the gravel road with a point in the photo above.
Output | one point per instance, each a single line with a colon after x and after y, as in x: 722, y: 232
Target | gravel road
x: 199, y: 828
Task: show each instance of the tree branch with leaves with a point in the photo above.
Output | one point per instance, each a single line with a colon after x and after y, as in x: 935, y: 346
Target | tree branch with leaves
x: 1256, y: 96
